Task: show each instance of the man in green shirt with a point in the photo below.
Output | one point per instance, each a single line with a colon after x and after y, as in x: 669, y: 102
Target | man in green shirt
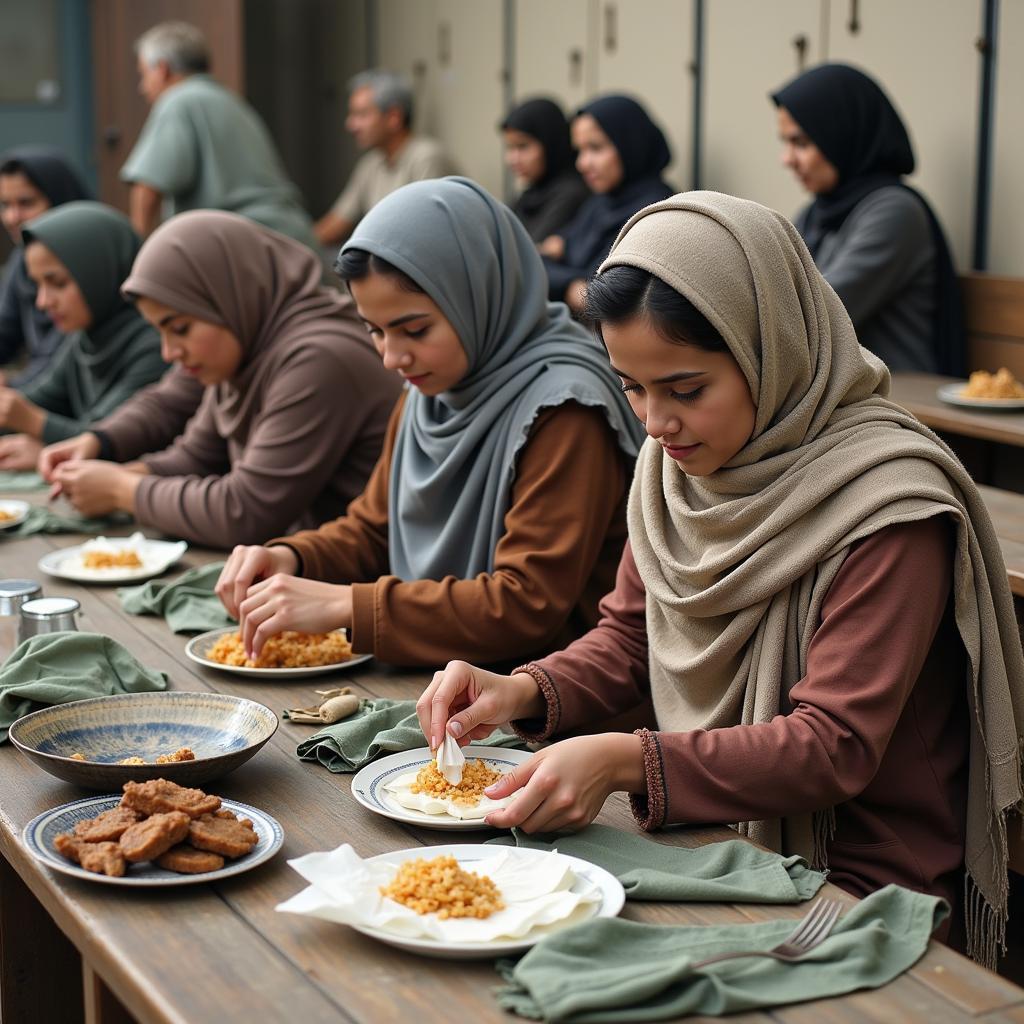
x: 203, y: 147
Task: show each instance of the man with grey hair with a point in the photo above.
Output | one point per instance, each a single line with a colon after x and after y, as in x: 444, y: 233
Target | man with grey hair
x: 380, y: 108
x: 203, y: 147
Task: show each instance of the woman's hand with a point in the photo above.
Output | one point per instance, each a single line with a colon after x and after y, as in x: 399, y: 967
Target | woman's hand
x: 97, y: 488
x: 18, y: 413
x: 471, y: 702
x: 565, y: 785
x: 248, y: 564
x: 291, y: 602
x: 19, y: 451
x: 553, y: 247
x: 84, y: 446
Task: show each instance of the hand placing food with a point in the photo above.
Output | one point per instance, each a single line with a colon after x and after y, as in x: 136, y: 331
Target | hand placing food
x: 19, y: 451
x: 248, y: 564
x: 83, y: 446
x: 97, y: 488
x: 471, y: 702
x: 290, y: 602
x: 565, y: 785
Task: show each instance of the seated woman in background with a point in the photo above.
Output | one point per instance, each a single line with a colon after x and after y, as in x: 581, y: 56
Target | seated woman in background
x: 32, y: 180
x: 77, y: 256
x: 812, y: 593
x: 495, y: 518
x: 538, y: 152
x: 295, y: 404
x: 621, y: 154
x: 873, y: 237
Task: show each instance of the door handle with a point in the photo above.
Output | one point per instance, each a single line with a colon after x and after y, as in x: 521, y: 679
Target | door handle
x: 800, y: 45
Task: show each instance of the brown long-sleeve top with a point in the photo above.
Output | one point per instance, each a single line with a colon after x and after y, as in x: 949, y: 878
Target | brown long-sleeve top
x: 564, y: 533
x: 151, y: 419
x: 307, y: 451
x: 877, y: 728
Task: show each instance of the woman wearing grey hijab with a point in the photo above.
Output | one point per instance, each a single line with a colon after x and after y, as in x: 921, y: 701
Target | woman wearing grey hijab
x: 494, y: 519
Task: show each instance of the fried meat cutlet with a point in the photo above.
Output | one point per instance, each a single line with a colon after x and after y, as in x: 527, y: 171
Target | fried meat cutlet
x: 160, y: 796
x: 146, y: 840
x: 223, y: 833
x: 106, y: 827
x: 100, y: 858
x: 187, y: 860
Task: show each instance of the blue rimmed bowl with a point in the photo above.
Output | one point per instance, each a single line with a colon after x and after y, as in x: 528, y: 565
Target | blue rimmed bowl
x: 222, y: 731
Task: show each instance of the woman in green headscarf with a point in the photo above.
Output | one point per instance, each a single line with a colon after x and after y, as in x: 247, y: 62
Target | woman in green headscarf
x: 78, y: 255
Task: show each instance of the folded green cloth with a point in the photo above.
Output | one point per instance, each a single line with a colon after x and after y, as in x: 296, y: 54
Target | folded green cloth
x: 20, y: 480
x: 613, y: 970
x: 379, y: 727
x: 733, y: 871
x: 44, y: 520
x: 188, y: 603
x: 56, y: 668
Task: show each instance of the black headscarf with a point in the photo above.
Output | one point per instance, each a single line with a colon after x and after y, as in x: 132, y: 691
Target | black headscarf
x: 642, y: 147
x: 47, y: 169
x: 848, y: 116
x: 543, y: 120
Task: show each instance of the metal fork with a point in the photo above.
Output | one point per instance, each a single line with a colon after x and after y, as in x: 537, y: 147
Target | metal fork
x: 812, y: 930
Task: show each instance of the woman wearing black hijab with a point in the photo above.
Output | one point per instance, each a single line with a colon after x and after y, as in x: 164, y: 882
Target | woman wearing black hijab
x: 874, y: 238
x: 32, y: 180
x: 621, y: 154
x: 539, y: 153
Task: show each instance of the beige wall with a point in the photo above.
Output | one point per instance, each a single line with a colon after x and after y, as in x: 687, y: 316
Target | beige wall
x: 923, y: 51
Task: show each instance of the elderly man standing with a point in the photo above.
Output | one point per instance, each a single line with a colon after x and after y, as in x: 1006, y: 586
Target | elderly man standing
x: 203, y: 147
x: 380, y: 118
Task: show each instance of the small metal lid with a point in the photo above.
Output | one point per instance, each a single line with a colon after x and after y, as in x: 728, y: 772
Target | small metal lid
x: 49, y: 607
x: 14, y: 593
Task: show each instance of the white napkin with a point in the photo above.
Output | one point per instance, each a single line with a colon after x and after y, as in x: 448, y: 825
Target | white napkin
x: 534, y: 885
x: 450, y: 759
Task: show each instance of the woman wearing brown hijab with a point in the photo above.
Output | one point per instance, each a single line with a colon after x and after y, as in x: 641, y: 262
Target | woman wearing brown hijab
x: 812, y: 594
x: 296, y: 400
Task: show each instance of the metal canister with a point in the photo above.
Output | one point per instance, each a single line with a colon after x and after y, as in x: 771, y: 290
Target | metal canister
x: 47, y: 615
x: 13, y: 594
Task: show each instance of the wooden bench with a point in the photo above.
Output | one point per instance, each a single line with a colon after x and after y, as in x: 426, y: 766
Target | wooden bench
x: 994, y: 318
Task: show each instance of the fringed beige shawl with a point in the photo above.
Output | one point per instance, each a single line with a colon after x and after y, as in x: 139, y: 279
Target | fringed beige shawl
x: 736, y: 564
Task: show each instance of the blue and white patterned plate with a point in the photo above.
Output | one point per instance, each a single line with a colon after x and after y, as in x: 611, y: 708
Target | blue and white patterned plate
x: 222, y: 731
x: 369, y: 782
x: 198, y: 649
x: 41, y: 831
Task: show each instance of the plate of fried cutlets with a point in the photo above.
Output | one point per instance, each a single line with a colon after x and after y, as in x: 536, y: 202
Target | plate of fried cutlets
x: 155, y: 833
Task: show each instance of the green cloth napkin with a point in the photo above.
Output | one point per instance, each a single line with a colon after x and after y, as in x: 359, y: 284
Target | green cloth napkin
x: 45, y: 520
x: 733, y: 871
x: 20, y: 480
x: 608, y: 969
x: 188, y: 603
x: 379, y: 727
x: 55, y: 668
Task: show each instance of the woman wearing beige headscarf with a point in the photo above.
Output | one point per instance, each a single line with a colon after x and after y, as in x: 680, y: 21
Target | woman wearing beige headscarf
x: 295, y: 400
x: 813, y: 593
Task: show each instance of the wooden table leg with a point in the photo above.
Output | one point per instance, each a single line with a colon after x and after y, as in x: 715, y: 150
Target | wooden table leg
x: 101, y: 1005
x: 39, y: 967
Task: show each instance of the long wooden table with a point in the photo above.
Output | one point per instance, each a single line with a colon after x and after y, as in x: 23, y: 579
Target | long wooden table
x: 74, y: 950
x: 918, y: 392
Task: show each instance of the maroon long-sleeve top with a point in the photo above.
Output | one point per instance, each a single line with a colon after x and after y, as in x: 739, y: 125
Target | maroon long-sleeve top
x: 877, y: 728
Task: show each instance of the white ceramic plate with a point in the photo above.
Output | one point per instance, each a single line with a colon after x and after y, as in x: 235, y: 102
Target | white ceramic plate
x: 613, y: 896
x: 952, y: 393
x: 18, y: 509
x: 157, y: 557
x: 40, y: 832
x: 198, y: 647
x: 369, y: 782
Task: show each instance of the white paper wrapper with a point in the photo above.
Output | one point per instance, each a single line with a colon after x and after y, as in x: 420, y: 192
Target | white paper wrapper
x: 450, y: 759
x: 536, y: 891
x: 137, y: 542
x: 400, y: 789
